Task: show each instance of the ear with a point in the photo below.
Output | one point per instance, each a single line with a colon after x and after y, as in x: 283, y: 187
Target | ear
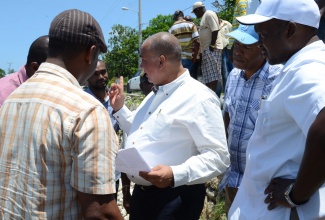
x: 34, y: 66
x: 291, y: 29
x: 162, y: 61
x: 90, y: 54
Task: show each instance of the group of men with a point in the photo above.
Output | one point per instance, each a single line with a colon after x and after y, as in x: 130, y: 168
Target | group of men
x: 58, y: 144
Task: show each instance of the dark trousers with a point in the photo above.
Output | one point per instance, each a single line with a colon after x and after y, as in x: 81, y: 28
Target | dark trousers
x: 179, y: 203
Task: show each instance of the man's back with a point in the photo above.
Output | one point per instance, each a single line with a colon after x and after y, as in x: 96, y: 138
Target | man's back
x: 185, y: 32
x: 49, y: 142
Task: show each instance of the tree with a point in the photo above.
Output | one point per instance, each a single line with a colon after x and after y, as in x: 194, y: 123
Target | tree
x: 2, y: 73
x: 122, y: 56
x: 161, y: 23
x: 225, y: 10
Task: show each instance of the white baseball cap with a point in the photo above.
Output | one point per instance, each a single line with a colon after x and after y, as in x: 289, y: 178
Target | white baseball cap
x: 304, y: 12
x: 197, y: 5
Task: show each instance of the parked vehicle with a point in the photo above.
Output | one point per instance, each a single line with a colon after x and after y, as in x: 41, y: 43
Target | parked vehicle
x: 134, y: 83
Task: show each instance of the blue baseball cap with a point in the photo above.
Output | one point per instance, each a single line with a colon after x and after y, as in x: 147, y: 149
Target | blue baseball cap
x: 245, y: 34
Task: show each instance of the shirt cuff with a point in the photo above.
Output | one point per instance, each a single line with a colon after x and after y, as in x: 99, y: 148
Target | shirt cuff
x: 180, y: 175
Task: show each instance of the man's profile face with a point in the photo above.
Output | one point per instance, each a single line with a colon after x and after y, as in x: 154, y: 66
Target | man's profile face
x: 99, y: 79
x: 272, y: 40
x: 246, y: 57
x: 150, y: 64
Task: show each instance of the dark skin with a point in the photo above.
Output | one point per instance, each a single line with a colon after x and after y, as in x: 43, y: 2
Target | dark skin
x: 280, y: 40
x: 249, y: 58
x: 82, y: 67
x: 98, y: 81
x: 199, y: 12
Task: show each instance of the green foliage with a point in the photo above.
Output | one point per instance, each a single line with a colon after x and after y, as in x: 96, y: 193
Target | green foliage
x: 2, y: 73
x: 219, y: 212
x: 161, y: 23
x: 225, y: 10
x: 122, y: 56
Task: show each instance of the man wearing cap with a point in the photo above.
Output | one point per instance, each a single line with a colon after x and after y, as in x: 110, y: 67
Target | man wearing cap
x: 284, y: 176
x: 188, y: 36
x: 247, y: 84
x: 58, y: 151
x: 211, y: 55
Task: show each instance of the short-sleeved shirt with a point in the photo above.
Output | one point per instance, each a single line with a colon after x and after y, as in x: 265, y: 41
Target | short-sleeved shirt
x: 55, y: 140
x: 209, y: 23
x: 239, y: 10
x: 186, y: 32
x: 222, y: 39
x: 277, y: 145
x: 11, y: 82
x: 242, y: 102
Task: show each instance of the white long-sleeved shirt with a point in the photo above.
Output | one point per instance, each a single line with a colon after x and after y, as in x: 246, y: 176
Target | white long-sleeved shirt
x: 180, y: 126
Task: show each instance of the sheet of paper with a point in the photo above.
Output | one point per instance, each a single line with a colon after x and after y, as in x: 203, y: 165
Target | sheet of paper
x: 130, y: 161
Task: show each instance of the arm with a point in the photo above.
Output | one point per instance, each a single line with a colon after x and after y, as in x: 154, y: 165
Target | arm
x: 126, y: 192
x: 196, y: 46
x: 308, y: 181
x: 214, y: 36
x: 99, y: 206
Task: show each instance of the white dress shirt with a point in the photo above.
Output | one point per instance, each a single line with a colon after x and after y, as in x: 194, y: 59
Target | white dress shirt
x: 278, y: 142
x: 180, y: 126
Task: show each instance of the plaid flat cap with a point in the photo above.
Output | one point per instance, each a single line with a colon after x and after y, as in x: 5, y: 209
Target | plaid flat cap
x: 75, y: 26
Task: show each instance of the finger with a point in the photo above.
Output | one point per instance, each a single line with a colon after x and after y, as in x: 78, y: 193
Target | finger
x: 272, y: 205
x: 268, y: 199
x: 144, y: 175
x: 122, y: 84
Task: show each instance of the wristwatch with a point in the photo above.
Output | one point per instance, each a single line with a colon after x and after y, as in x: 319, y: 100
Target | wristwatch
x: 287, y: 193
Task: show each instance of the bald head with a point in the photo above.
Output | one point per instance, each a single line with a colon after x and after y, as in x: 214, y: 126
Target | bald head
x: 164, y: 43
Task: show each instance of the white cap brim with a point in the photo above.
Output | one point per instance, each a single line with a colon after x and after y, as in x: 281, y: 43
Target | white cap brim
x: 252, y: 19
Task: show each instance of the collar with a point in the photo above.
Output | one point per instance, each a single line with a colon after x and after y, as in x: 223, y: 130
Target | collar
x: 169, y: 88
x: 86, y: 89
x: 262, y: 73
x: 58, y: 71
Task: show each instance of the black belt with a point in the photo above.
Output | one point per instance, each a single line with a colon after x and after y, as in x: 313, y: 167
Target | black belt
x: 146, y: 188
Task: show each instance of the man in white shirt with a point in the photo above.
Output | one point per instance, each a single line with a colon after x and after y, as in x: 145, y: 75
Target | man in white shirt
x: 177, y: 129
x: 284, y: 176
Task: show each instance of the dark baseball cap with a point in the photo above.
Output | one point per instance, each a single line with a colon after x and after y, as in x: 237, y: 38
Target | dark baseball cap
x: 75, y: 26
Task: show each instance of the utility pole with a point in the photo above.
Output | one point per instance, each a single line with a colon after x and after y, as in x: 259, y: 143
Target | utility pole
x: 9, y: 68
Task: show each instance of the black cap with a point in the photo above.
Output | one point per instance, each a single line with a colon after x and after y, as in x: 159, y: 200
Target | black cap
x: 75, y: 26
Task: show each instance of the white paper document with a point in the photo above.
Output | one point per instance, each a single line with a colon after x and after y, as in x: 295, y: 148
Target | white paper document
x: 131, y: 162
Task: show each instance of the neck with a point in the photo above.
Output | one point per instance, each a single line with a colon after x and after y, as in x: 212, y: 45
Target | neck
x: 101, y: 94
x: 250, y: 72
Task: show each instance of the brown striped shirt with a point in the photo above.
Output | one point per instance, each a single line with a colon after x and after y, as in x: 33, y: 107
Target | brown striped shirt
x: 55, y: 140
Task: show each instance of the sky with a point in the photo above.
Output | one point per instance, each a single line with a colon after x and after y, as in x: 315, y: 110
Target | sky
x: 22, y: 21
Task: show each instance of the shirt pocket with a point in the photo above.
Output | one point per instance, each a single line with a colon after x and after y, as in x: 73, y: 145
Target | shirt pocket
x: 263, y: 120
x: 160, y: 129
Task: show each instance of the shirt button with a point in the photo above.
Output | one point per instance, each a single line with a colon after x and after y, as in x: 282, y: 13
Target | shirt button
x: 149, y: 113
x: 140, y: 127
x: 133, y: 142
x: 117, y: 117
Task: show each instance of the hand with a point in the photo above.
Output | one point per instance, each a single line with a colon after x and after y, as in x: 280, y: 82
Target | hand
x: 194, y: 60
x: 211, y: 49
x: 126, y: 198
x: 160, y: 176
x: 116, y: 95
x: 275, y: 193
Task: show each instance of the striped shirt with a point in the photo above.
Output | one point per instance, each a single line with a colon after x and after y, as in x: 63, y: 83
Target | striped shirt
x: 55, y: 140
x: 242, y: 100
x: 186, y: 32
x: 239, y: 10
